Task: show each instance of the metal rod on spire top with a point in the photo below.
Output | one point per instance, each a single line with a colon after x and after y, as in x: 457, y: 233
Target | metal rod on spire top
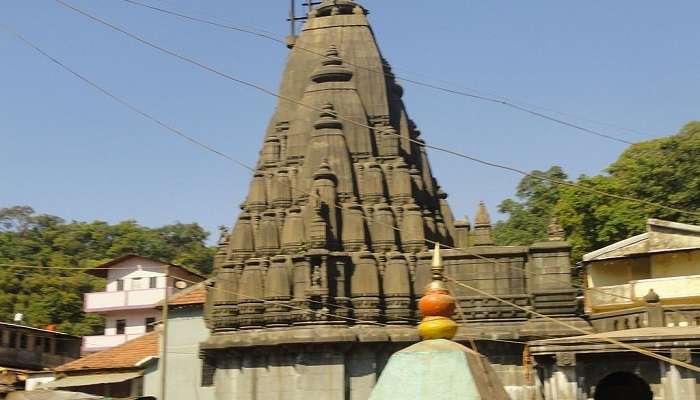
x: 292, y: 18
x: 437, y: 267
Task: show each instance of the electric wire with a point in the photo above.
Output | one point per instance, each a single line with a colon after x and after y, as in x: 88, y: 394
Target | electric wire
x: 501, y: 101
x: 470, y: 338
x: 329, y: 314
x: 576, y: 328
x: 242, y: 164
x: 207, y: 147
x: 349, y: 120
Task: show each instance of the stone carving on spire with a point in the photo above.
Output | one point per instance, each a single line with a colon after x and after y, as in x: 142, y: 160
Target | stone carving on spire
x: 555, y: 231
x: 335, y: 229
x: 342, y: 204
x: 482, y: 227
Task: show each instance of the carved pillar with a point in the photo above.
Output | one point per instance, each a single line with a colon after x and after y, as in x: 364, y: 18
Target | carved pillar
x: 267, y: 240
x: 281, y: 190
x: 364, y: 287
x: 271, y: 152
x: 224, y: 293
x: 300, y: 276
x: 293, y: 231
x: 251, y: 292
x: 318, y: 231
x: 430, y: 228
x: 423, y: 274
x: 242, y: 243
x: 383, y: 232
x: 353, y: 232
x: 397, y: 289
x: 412, y: 229
x: 257, y: 196
x: 325, y: 183
x: 462, y: 229
x: 342, y: 292
x: 402, y: 192
x: 277, y: 292
x: 389, y: 142
x: 373, y: 184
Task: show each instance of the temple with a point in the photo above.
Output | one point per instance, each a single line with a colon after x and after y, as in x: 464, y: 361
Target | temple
x: 317, y: 283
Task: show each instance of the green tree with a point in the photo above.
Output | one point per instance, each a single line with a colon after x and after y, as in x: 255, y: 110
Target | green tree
x: 529, y: 216
x: 54, y: 296
x: 664, y: 171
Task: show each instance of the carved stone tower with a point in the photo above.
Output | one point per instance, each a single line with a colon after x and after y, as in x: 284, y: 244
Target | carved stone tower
x: 329, y: 253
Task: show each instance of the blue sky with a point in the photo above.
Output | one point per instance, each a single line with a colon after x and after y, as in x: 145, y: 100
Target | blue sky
x: 68, y: 150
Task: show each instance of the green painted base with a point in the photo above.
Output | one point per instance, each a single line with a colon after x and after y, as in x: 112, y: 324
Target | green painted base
x: 438, y: 370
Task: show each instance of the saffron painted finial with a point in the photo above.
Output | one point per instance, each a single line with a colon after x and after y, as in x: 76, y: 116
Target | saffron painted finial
x: 436, y: 305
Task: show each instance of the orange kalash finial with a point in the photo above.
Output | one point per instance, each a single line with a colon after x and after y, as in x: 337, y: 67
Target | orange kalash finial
x: 436, y: 305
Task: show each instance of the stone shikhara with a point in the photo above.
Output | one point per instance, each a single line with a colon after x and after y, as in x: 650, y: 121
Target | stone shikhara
x: 337, y: 225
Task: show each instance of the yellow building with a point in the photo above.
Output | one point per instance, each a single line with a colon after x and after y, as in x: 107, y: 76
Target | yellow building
x: 665, y: 260
x: 643, y: 291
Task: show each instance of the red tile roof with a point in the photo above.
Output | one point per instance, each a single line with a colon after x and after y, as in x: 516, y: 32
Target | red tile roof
x: 124, y: 356
x: 196, y: 296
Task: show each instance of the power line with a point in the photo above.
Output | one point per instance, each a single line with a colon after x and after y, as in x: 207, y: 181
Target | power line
x: 576, y: 328
x: 173, y: 129
x: 78, y: 269
x: 378, y: 130
x: 501, y: 101
x: 329, y: 314
x: 117, y: 98
x: 220, y: 153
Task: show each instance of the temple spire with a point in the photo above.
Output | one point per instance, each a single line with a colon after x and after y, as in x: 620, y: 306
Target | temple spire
x: 482, y: 227
x: 555, y: 232
x: 339, y: 191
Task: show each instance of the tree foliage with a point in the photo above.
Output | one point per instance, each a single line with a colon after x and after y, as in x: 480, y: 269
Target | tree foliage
x: 54, y: 296
x: 664, y: 171
x: 529, y: 217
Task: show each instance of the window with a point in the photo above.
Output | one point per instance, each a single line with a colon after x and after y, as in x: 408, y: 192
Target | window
x: 153, y: 282
x: 121, y: 326
x: 136, y: 283
x: 61, y: 348
x: 208, y: 372
x: 37, y: 343
x: 47, y: 345
x: 120, y: 285
x: 12, y: 343
x: 150, y: 324
x: 23, y: 340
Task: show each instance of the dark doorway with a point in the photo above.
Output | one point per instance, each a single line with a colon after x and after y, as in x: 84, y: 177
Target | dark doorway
x: 623, y: 385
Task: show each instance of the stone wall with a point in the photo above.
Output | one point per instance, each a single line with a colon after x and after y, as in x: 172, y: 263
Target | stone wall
x: 566, y: 379
x: 345, y: 371
x: 302, y: 372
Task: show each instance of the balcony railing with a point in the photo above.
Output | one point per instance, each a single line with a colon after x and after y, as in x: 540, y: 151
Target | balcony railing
x: 632, y: 293
x: 101, y: 342
x: 123, y: 300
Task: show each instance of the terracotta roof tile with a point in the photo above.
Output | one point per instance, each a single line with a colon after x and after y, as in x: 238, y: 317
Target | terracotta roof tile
x: 119, y: 357
x: 196, y: 296
x: 193, y: 295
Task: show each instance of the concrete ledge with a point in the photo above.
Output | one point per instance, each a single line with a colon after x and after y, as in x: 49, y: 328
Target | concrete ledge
x: 309, y: 334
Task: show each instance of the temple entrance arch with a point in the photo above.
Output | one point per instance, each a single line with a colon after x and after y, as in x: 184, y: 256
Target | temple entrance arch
x: 623, y: 385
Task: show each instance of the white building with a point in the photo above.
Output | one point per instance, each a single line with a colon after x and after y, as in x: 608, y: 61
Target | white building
x: 135, y: 285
